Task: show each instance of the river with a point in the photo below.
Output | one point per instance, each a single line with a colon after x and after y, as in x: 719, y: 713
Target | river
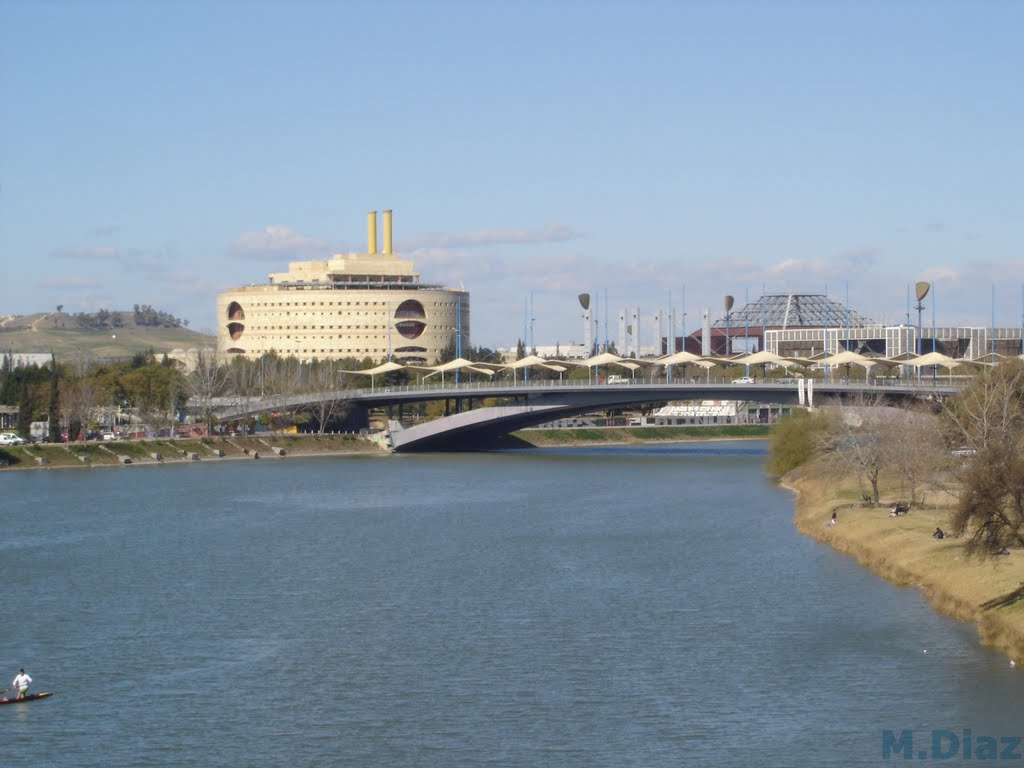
x: 642, y: 606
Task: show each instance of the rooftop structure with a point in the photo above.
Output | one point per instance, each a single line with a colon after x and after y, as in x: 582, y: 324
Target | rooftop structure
x: 353, y: 305
x: 795, y: 310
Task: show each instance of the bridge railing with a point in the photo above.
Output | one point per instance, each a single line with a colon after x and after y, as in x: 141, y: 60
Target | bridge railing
x: 485, y: 388
x: 694, y: 381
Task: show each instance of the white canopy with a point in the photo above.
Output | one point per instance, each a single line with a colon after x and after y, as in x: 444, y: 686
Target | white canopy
x: 935, y: 358
x: 678, y: 358
x: 385, y: 368
x: 605, y: 358
x: 762, y: 358
x: 528, y: 361
x: 372, y: 372
x: 452, y: 365
x: 847, y: 357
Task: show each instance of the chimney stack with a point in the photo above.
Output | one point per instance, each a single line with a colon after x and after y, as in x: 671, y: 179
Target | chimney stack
x: 387, y: 231
x: 371, y: 232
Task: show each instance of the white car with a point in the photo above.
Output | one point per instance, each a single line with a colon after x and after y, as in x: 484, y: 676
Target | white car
x: 9, y: 438
x: 743, y: 380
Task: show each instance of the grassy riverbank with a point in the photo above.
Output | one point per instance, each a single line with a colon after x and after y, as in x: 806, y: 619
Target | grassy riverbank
x: 902, y: 550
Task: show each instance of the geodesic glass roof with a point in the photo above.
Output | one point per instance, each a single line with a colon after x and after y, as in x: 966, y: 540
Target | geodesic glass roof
x: 795, y: 310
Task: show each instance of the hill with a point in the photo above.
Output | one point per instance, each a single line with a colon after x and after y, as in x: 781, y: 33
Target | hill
x: 103, y: 334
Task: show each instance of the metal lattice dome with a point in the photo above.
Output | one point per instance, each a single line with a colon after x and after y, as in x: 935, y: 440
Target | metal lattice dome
x: 795, y: 310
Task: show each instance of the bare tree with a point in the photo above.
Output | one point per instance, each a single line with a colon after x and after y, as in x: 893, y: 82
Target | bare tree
x: 243, y: 379
x: 916, y: 447
x: 857, y: 441
x: 323, y: 385
x: 987, y: 421
x: 991, y: 409
x: 78, y: 402
x: 205, y: 382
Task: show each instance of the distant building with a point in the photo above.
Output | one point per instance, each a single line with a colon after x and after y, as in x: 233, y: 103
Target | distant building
x: 804, y: 325
x: 353, y: 305
x: 25, y: 359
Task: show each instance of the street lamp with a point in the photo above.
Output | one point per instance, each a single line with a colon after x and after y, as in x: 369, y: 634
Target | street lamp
x: 584, y: 300
x: 729, y: 301
x: 920, y: 290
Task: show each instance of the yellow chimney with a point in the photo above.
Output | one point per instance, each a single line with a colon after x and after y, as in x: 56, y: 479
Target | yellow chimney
x: 371, y: 232
x: 387, y: 231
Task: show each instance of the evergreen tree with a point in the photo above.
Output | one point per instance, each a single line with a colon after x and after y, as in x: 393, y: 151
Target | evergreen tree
x: 24, y: 411
x: 53, y: 410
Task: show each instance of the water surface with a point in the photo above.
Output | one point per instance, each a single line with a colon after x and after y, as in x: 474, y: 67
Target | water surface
x: 613, y: 606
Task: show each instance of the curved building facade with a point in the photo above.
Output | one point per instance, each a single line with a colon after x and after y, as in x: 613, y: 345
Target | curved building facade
x: 352, y: 305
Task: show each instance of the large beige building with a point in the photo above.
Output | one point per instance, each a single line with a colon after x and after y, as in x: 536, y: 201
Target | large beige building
x: 352, y: 305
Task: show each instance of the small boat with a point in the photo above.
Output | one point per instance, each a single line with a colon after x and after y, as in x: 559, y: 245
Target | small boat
x: 30, y: 697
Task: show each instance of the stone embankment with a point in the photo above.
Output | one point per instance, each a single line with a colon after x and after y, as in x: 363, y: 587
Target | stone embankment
x: 168, y: 451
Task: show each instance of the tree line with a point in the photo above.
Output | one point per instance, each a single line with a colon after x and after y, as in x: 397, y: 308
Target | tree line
x: 142, y: 314
x: 76, y: 398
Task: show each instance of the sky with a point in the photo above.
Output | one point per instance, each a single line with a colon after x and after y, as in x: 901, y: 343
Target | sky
x: 649, y: 153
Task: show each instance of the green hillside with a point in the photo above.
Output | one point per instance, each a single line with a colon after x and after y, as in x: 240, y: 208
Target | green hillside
x: 115, y: 334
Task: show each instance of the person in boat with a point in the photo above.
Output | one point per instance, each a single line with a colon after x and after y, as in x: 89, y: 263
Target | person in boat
x: 21, y: 683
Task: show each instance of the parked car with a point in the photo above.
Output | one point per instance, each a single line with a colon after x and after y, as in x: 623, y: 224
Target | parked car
x: 743, y: 380
x: 10, y: 438
x: 616, y: 379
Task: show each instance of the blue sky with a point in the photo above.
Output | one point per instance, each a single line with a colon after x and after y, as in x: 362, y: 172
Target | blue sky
x: 159, y: 152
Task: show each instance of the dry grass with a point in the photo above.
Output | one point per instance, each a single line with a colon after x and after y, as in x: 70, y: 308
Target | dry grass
x: 989, y: 592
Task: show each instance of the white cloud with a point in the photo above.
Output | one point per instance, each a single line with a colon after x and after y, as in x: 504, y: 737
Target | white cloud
x: 940, y: 273
x: 279, y: 243
x: 87, y: 253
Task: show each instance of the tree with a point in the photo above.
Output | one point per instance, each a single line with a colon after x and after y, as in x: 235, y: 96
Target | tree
x: 205, y: 382
x: 79, y: 399
x: 991, y: 505
x: 24, y: 411
x: 987, y: 424
x: 991, y: 409
x: 857, y: 441
x: 917, y: 449
x: 243, y: 379
x: 323, y: 385
x: 795, y: 440
x: 53, y: 407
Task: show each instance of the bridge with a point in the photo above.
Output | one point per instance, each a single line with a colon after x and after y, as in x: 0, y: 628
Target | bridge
x: 470, y: 424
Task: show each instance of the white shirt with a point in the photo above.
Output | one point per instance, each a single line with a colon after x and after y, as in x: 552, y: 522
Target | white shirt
x: 21, y: 681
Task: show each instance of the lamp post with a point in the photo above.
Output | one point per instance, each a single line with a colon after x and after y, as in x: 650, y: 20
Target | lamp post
x: 729, y: 301
x: 584, y: 300
x: 920, y: 290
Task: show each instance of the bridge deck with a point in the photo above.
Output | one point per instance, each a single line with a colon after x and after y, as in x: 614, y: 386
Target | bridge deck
x: 527, y: 403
